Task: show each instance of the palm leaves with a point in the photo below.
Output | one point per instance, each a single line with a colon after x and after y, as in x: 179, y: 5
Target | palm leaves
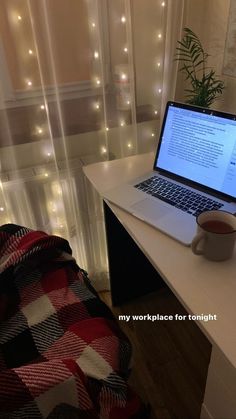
x: 205, y: 87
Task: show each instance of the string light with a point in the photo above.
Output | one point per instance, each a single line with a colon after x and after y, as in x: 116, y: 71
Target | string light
x: 46, y: 174
x: 107, y: 129
x: 122, y: 123
x: 159, y: 35
x: 123, y: 19
x: 163, y: 4
x: 96, y: 105
x: 1, y: 209
x: 96, y: 55
x: 158, y: 64
x: 39, y: 130
x: 19, y: 17
x: 125, y: 49
x: 93, y: 25
x: 30, y: 51
x: 29, y: 82
x: 129, y: 145
x: 155, y: 112
x: 153, y: 135
x: 42, y: 107
x: 124, y: 76
x: 103, y: 150
x: 159, y: 90
x: 128, y: 102
x: 49, y: 154
x: 98, y: 82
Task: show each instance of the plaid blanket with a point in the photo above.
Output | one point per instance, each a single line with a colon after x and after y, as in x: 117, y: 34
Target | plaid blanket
x: 60, y: 348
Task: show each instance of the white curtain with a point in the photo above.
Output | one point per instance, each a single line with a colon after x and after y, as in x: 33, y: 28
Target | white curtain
x: 81, y: 81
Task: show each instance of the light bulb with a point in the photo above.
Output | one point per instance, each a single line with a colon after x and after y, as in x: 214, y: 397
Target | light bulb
x: 123, y: 19
x: 107, y: 129
x: 155, y: 112
x: 122, y: 123
x: 103, y: 150
x: 98, y: 82
x: 159, y: 35
x: 30, y: 51
x: 19, y: 17
x: 124, y: 76
x: 158, y: 64
x: 125, y: 49
x: 29, y: 82
x: 42, y: 107
x: 46, y: 174
x: 96, y: 55
x: 153, y: 135
x: 128, y: 102
x: 49, y: 154
x: 39, y: 130
x: 1, y: 209
x: 129, y: 145
x: 97, y: 106
x: 159, y: 90
x: 163, y: 4
x: 93, y: 25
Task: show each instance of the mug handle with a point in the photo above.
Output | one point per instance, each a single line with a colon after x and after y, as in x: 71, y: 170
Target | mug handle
x: 200, y: 236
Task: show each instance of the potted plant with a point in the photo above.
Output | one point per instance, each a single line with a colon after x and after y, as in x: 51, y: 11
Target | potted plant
x: 205, y: 87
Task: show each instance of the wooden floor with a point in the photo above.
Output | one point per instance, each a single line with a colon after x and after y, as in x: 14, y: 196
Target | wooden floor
x: 170, y: 358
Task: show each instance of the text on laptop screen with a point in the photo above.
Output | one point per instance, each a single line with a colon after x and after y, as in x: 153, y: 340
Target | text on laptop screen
x: 200, y: 147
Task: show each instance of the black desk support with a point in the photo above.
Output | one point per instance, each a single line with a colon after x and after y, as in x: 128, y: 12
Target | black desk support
x: 131, y: 273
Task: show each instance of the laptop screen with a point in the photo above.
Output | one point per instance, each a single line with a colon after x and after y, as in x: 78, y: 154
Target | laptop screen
x: 199, y: 145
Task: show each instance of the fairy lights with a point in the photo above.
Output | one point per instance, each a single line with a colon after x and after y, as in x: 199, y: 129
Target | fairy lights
x: 96, y: 55
x: 96, y: 106
x: 30, y: 52
x: 19, y: 17
x: 103, y: 150
x: 123, y: 19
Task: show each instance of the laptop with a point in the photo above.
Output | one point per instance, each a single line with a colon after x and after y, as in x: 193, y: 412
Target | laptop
x: 194, y: 170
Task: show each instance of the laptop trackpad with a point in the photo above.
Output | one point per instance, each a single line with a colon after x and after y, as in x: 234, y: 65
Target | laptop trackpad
x: 150, y: 209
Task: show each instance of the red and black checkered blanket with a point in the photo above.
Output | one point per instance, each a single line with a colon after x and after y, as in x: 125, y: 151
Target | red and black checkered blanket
x: 61, y: 351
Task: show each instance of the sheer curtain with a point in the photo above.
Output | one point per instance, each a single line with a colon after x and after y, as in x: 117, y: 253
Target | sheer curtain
x: 81, y: 81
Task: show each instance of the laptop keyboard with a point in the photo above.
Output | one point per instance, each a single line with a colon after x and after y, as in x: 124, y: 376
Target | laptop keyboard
x: 178, y: 196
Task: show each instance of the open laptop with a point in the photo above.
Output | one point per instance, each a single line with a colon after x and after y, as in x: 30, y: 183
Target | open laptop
x: 194, y: 170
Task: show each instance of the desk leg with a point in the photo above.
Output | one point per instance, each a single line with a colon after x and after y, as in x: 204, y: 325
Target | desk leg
x: 131, y: 273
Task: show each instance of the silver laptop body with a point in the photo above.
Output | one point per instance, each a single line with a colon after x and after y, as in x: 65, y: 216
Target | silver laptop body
x: 194, y: 170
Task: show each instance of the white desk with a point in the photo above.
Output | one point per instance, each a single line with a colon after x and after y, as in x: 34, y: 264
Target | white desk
x: 202, y: 286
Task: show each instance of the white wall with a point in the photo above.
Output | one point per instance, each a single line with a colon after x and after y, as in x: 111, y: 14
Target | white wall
x: 209, y: 20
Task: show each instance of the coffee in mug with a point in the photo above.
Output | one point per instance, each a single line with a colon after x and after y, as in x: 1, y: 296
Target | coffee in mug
x: 216, y: 234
